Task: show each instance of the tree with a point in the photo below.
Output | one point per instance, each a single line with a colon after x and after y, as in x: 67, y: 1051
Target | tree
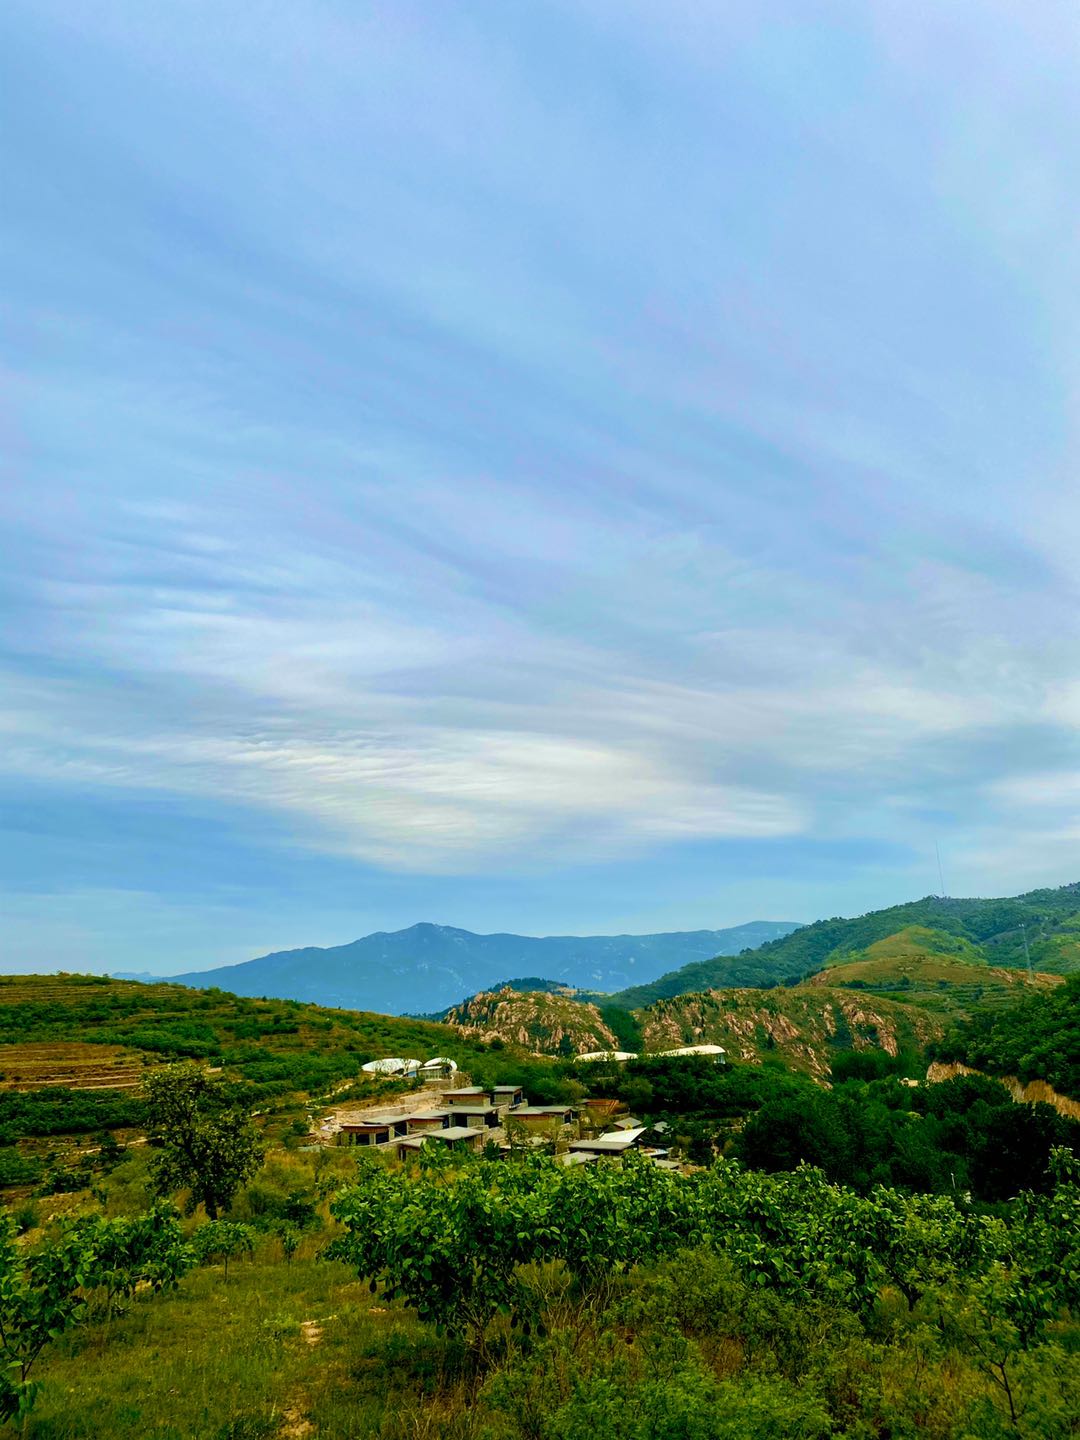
x: 223, y: 1240
x: 205, y: 1142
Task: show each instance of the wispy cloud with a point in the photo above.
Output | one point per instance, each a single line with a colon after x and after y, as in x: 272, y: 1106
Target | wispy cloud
x: 474, y: 446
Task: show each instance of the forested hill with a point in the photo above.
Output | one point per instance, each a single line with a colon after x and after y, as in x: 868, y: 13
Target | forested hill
x: 996, y: 929
x: 427, y: 968
x: 1036, y: 1040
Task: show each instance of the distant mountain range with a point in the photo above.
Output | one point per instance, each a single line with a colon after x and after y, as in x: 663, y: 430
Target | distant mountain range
x: 427, y: 968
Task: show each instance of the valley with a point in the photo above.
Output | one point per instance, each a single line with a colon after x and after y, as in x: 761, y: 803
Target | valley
x: 384, y: 1285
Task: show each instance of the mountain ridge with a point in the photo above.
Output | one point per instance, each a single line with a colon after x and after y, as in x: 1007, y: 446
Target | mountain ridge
x: 428, y: 967
x: 1039, y: 927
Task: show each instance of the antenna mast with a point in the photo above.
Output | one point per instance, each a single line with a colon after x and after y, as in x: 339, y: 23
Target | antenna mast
x: 940, y: 872
x: 1027, y: 952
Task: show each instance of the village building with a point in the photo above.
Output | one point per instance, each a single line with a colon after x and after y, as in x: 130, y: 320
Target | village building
x: 455, y: 1137
x: 426, y: 1122
x: 507, y: 1096
x: 467, y: 1095
x: 717, y: 1052
x: 477, y: 1117
x: 365, y: 1132
x: 612, y: 1142
x: 542, y: 1117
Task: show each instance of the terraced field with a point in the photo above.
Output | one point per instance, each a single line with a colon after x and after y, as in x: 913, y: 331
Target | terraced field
x: 938, y: 972
x: 72, y: 1063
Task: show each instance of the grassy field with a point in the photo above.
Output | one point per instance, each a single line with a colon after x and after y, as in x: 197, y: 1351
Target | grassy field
x: 276, y: 1350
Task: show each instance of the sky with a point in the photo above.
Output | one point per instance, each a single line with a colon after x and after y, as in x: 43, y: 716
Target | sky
x: 564, y: 468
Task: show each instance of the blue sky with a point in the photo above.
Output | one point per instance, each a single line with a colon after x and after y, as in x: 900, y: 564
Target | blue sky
x: 565, y: 467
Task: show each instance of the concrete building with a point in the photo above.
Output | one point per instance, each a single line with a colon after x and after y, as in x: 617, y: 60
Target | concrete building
x: 541, y: 1117
x: 612, y: 1142
x: 455, y: 1137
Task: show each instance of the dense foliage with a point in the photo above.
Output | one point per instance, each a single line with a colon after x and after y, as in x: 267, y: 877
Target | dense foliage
x: 728, y: 1252
x: 869, y: 1129
x: 60, y: 1111
x: 962, y: 1135
x: 1037, y: 1040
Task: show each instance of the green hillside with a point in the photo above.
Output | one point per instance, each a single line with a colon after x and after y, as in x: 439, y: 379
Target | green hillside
x: 1036, y: 1040
x: 73, y: 1049
x: 940, y: 972
x: 993, y: 932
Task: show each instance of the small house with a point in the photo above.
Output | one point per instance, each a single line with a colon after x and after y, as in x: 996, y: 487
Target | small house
x: 427, y: 1122
x: 507, y: 1096
x: 477, y: 1117
x: 365, y: 1132
x: 542, y: 1117
x: 439, y: 1067
x: 612, y: 1142
x: 455, y: 1137
x: 467, y: 1095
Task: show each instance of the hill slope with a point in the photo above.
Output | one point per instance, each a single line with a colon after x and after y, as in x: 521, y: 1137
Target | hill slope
x: 1049, y: 921
x: 940, y: 972
x: 429, y: 967
x: 806, y: 1027
x: 1038, y: 1040
x: 551, y: 1024
x: 270, y: 1044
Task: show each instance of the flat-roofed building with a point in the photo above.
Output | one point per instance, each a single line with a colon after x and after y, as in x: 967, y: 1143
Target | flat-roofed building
x: 426, y: 1122
x: 540, y: 1117
x: 467, y: 1095
x: 477, y: 1117
x: 612, y: 1142
x: 507, y: 1095
x: 365, y: 1132
x: 455, y: 1137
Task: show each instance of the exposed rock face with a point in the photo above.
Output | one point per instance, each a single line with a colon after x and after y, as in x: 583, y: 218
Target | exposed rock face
x: 1032, y: 1092
x: 547, y: 1024
x: 806, y: 1026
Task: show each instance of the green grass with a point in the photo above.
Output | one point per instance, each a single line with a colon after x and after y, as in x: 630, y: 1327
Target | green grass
x: 234, y: 1360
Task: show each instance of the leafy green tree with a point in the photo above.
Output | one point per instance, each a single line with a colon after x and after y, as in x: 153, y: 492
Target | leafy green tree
x: 131, y: 1250
x: 203, y: 1141
x: 224, y: 1240
x: 40, y: 1297
x: 45, y: 1291
x: 800, y: 1129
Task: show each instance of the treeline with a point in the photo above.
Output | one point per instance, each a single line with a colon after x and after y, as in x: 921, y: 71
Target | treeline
x: 869, y: 1129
